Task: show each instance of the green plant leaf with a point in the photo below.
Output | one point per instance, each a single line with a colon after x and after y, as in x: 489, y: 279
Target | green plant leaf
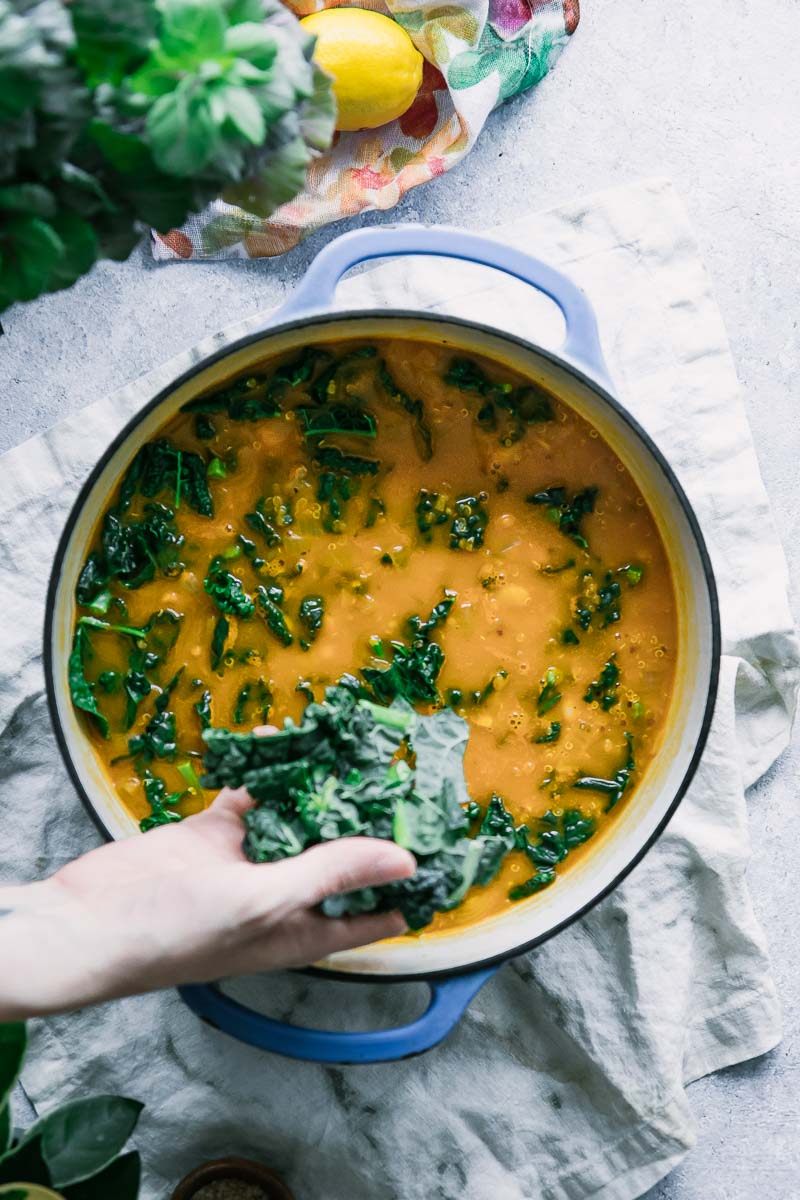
x: 192, y: 31
x: 83, y: 1137
x: 119, y: 1181
x: 318, y: 114
x: 24, y: 1161
x: 182, y: 131
x: 243, y: 112
x: 29, y: 198
x: 112, y: 38
x: 30, y: 249
x: 13, y: 1041
x: 80, y: 250
x: 282, y: 178
x: 253, y: 42
x: 5, y: 1128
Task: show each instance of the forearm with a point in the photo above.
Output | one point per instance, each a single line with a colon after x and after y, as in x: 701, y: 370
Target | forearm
x: 52, y: 959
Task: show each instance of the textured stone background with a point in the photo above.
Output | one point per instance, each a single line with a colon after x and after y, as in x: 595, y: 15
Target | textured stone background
x: 708, y: 95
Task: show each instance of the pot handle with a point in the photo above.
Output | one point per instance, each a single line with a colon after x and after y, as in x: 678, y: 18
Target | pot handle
x: 315, y: 292
x: 449, y: 1000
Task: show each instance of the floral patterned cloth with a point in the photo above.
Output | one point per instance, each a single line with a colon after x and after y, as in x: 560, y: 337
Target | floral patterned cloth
x: 478, y: 53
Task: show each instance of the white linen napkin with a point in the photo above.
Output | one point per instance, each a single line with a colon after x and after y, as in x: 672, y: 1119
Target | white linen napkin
x: 565, y: 1080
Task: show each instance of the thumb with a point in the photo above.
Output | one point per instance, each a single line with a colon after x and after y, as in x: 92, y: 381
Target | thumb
x: 344, y: 865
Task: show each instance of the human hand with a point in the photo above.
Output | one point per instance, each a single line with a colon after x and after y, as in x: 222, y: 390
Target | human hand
x: 181, y: 904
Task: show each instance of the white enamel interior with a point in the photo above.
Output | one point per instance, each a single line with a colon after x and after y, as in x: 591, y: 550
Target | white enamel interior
x: 641, y: 815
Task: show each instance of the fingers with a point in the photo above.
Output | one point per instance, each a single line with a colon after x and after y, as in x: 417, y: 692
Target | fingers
x: 329, y: 935
x: 343, y: 866
x: 237, y: 800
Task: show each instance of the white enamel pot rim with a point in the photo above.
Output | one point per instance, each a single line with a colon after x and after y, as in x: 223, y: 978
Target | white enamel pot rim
x: 652, y: 804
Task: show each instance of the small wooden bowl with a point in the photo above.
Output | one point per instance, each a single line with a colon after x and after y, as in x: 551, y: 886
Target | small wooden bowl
x: 245, y: 1170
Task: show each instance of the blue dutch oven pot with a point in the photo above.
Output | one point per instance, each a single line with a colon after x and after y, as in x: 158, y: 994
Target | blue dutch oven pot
x: 454, y: 965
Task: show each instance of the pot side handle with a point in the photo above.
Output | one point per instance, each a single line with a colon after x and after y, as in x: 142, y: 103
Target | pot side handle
x: 448, y: 1002
x: 315, y: 292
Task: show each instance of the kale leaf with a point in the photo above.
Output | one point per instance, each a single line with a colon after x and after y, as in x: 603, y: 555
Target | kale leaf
x: 203, y: 709
x: 312, y: 612
x: 605, y: 689
x: 158, y: 739
x: 160, y: 801
x: 615, y: 787
x: 527, y: 404
x: 567, y: 512
x: 552, y: 735
x: 415, y: 666
x: 81, y: 691
x: 469, y: 522
x: 414, y: 408
x: 334, y: 380
x: 431, y: 510
x: 227, y: 591
x: 550, y: 844
x: 218, y: 639
x: 549, y: 695
x: 259, y: 524
x: 353, y: 767
x: 276, y: 622
x: 131, y: 552
x: 244, y: 400
x: 163, y: 467
x: 337, y: 418
x: 331, y: 458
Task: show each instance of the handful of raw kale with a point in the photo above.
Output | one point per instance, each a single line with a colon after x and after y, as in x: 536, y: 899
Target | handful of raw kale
x: 353, y: 767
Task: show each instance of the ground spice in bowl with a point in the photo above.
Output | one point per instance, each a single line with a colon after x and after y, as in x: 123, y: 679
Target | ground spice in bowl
x: 232, y: 1179
x: 231, y: 1189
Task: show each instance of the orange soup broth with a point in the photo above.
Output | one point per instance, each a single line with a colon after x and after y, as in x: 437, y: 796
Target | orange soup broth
x: 515, y: 596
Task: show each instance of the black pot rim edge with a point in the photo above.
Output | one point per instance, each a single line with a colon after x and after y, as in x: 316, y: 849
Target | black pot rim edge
x: 423, y: 316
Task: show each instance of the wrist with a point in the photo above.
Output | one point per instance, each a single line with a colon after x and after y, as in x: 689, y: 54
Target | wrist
x: 51, y: 957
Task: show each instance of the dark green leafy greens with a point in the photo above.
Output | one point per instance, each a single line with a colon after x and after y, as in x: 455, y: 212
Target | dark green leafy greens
x: 341, y: 378
x: 470, y: 519
x: 605, y: 689
x: 81, y: 690
x: 331, y: 458
x: 253, y: 702
x: 414, y: 408
x: 549, y: 695
x: 431, y: 510
x: 567, y: 512
x: 269, y: 604
x: 520, y: 406
x: 162, y: 802
x: 615, y: 787
x: 552, y: 734
x: 227, y: 591
x: 464, y: 698
x: 159, y: 738
x: 353, y: 767
x: 337, y: 418
x: 550, y: 844
x: 133, y: 551
x: 312, y: 612
x: 415, y: 666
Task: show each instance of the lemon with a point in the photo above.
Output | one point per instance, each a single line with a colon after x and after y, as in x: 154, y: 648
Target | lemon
x: 375, y: 66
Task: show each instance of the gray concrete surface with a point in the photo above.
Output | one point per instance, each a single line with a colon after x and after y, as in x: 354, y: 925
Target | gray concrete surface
x: 707, y: 94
